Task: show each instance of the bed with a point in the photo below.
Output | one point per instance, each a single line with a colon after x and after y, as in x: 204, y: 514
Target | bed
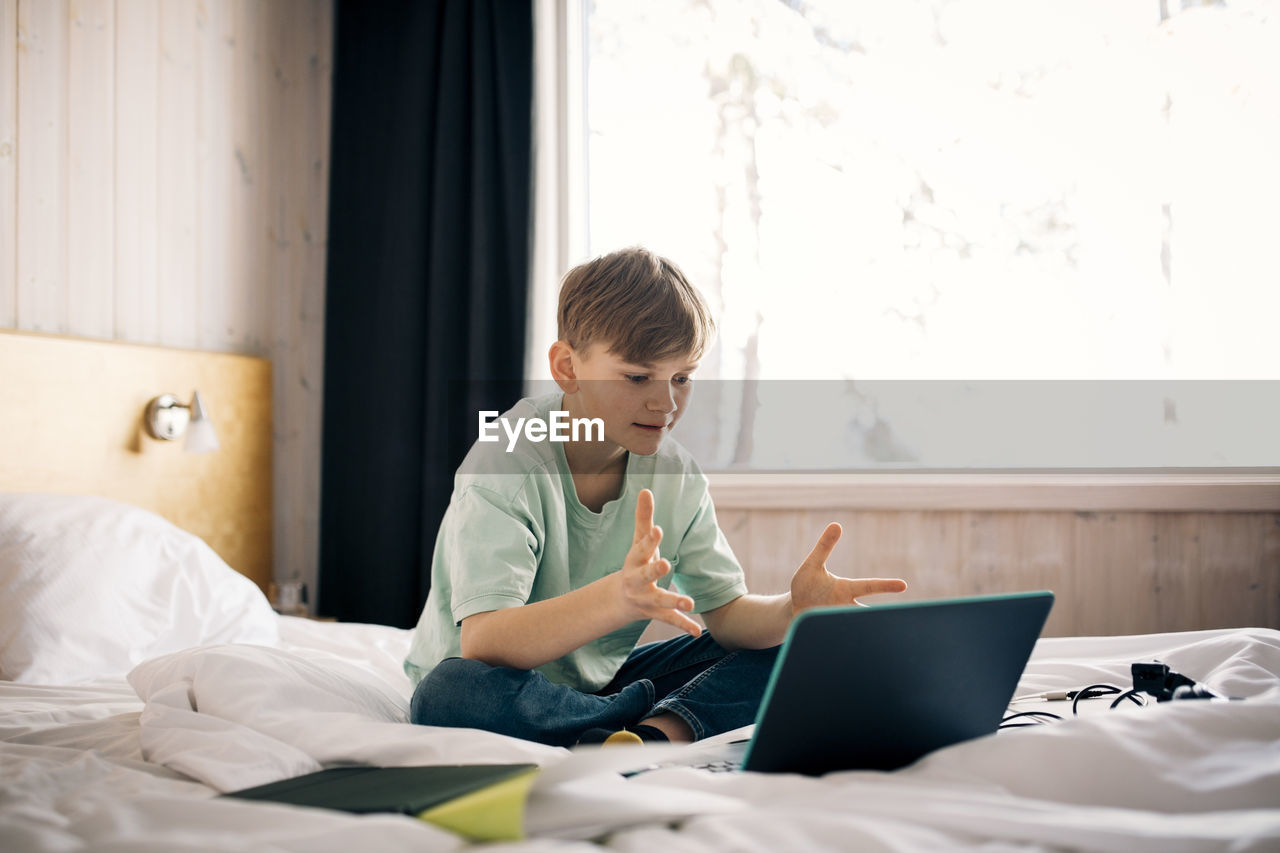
x: 143, y: 676
x: 126, y: 748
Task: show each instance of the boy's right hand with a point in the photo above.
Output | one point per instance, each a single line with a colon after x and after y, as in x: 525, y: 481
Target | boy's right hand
x: 642, y: 597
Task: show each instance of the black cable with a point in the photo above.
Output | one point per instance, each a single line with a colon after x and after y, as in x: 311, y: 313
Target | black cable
x: 1185, y: 689
x: 1005, y: 724
x: 1133, y: 696
x: 1093, y: 691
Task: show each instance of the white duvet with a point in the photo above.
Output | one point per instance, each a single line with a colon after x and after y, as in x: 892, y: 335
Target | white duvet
x: 137, y: 766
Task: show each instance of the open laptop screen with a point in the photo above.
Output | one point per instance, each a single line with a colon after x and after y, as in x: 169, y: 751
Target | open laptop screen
x: 878, y: 687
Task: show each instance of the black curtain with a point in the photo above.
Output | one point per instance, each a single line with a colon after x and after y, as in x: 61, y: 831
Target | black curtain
x: 427, y: 278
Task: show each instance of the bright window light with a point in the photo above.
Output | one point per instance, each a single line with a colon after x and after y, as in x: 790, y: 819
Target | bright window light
x: 960, y: 192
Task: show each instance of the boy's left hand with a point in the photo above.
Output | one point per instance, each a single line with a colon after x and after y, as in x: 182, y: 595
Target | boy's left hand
x: 814, y: 586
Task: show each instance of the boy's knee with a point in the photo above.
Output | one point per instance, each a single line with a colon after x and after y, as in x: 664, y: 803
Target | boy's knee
x: 448, y: 694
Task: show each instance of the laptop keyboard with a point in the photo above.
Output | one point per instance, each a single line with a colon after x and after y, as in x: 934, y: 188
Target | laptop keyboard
x: 721, y: 758
x: 710, y: 766
x: 718, y: 766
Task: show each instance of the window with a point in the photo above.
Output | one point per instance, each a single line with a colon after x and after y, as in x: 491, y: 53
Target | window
x: 984, y: 234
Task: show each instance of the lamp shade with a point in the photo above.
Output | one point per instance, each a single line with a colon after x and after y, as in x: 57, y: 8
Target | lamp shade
x: 201, y: 436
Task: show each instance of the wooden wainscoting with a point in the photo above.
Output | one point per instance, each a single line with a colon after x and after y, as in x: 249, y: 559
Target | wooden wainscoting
x: 1113, y: 572
x: 1126, y: 553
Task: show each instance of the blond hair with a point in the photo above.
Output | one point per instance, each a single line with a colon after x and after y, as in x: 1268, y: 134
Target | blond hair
x: 639, y: 304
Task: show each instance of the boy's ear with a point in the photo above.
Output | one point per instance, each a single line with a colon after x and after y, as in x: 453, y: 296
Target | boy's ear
x: 562, y: 370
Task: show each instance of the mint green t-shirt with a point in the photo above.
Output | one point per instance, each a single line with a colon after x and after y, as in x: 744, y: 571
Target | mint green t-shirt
x: 515, y: 533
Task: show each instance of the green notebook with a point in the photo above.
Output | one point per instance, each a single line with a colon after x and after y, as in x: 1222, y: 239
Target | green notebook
x: 484, y: 802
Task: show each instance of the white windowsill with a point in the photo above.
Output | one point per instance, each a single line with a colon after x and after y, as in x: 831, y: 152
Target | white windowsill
x: 1079, y: 492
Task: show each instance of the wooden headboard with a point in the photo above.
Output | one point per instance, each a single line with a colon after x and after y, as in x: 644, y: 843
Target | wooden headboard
x: 71, y: 422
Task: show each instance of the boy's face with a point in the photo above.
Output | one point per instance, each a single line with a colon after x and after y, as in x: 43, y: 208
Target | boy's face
x: 639, y: 403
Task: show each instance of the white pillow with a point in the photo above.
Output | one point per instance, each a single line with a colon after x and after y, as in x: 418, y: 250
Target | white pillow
x: 90, y: 587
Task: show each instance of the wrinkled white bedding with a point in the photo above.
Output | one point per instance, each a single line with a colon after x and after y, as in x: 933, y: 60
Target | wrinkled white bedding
x: 101, y: 765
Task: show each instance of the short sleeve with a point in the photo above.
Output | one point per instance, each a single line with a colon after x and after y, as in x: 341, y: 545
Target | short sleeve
x: 491, y: 549
x: 706, y: 569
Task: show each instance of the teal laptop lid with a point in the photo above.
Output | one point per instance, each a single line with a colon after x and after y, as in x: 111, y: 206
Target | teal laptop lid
x: 878, y: 687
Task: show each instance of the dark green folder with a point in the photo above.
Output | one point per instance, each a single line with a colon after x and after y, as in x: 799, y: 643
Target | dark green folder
x: 481, y: 801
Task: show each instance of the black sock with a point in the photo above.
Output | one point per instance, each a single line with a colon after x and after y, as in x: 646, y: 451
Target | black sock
x: 649, y: 733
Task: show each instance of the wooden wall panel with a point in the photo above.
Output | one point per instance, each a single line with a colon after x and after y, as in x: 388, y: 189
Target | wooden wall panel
x: 1175, y: 547
x: 137, y: 133
x: 1113, y: 573
x: 302, y: 71
x: 308, y: 359
x: 252, y: 307
x: 1230, y: 582
x: 177, y: 199
x: 164, y: 180
x: 90, y: 262
x: 217, y: 256
x: 42, y: 303
x: 8, y: 162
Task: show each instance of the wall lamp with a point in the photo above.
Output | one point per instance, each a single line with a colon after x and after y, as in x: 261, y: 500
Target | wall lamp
x: 167, y: 418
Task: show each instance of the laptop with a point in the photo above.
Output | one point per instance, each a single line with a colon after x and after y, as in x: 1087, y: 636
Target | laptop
x: 875, y: 688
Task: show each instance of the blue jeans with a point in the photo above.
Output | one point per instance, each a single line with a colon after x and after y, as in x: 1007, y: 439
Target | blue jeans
x: 711, y: 689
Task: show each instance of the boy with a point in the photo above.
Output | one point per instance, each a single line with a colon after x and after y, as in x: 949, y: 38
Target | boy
x: 554, y: 556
